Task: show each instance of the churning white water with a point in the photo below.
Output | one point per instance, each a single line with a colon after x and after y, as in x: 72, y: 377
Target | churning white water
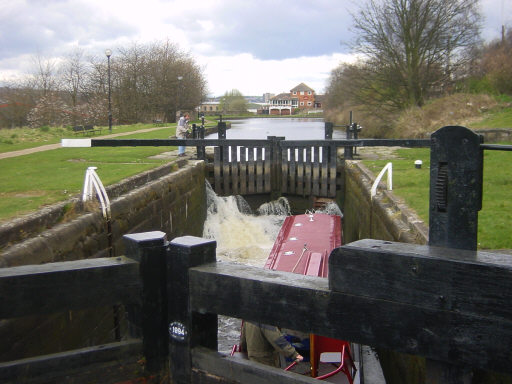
x: 242, y: 236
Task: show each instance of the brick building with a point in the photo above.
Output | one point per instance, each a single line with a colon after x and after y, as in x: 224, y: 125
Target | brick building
x: 300, y: 97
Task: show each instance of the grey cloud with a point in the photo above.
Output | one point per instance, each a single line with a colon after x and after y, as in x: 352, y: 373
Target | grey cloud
x: 276, y: 30
x: 45, y: 27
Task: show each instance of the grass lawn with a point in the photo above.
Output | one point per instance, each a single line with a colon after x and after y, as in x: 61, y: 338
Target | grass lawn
x: 494, y: 219
x: 21, y: 138
x: 29, y: 182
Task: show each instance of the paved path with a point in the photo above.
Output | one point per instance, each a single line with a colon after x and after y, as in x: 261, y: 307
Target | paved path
x: 49, y: 147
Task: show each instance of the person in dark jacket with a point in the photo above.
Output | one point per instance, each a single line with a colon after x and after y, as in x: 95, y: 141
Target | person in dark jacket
x: 264, y: 343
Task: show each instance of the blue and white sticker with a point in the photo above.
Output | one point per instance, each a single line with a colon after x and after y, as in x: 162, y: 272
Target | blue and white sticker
x: 178, y: 331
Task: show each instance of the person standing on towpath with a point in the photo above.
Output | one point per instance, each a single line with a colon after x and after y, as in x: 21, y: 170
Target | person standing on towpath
x: 181, y: 132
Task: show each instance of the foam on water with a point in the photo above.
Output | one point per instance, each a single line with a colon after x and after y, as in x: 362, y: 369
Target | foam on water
x: 242, y: 236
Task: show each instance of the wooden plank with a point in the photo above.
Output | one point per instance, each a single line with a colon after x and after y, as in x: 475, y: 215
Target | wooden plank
x: 307, y: 172
x: 244, y: 371
x: 243, y: 170
x: 315, y: 154
x: 235, y: 179
x: 324, y: 172
x: 259, y: 170
x: 48, y: 288
x: 293, y: 172
x: 482, y: 341
x: 83, y: 365
x: 333, y: 156
x: 285, y: 169
x: 267, y: 171
x: 478, y: 283
x: 217, y: 170
x: 226, y: 175
x: 300, y: 172
x: 251, y: 172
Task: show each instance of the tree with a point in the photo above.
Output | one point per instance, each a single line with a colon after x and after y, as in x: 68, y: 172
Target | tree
x: 412, y: 48
x: 50, y: 110
x: 233, y: 101
x: 73, y: 72
x: 496, y: 64
x: 44, y: 78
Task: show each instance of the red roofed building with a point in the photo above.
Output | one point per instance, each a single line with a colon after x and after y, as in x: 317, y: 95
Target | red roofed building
x: 301, y: 97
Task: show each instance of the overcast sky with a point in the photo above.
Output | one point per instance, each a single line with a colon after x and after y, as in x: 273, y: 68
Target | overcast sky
x: 253, y: 46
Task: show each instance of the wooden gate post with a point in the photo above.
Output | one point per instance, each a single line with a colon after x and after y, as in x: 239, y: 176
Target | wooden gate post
x: 456, y: 175
x: 275, y: 159
x: 456, y: 172
x: 148, y: 249
x: 186, y: 329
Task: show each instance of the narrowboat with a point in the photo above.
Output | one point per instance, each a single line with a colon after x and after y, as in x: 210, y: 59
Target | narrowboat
x: 303, y: 246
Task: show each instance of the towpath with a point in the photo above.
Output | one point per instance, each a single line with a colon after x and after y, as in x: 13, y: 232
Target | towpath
x: 49, y: 147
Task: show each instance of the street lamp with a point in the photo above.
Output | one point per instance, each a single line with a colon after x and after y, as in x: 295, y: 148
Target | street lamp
x: 179, y: 94
x: 108, y: 52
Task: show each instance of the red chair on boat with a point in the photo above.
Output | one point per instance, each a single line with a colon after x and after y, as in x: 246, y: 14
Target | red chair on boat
x: 340, y: 358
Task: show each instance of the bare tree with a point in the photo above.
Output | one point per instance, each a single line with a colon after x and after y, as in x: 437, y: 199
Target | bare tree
x: 73, y: 73
x: 148, y: 82
x: 412, y: 47
x: 44, y: 78
x: 155, y: 81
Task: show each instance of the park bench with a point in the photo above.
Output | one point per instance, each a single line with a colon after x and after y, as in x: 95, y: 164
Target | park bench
x: 83, y: 129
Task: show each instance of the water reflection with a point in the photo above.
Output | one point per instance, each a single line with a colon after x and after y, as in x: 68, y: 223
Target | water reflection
x: 290, y: 128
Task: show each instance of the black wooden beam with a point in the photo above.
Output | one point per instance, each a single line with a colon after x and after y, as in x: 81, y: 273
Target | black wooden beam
x: 243, y: 371
x: 258, y: 142
x: 49, y: 288
x: 306, y: 304
x: 360, y: 143
x: 474, y: 283
x: 88, y: 363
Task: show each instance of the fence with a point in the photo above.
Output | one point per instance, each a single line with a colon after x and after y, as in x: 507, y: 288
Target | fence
x: 273, y: 165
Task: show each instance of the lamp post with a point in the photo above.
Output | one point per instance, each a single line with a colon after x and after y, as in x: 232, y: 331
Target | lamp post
x: 108, y: 52
x: 178, y: 96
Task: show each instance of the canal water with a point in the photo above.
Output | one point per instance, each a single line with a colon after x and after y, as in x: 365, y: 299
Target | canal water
x: 290, y: 128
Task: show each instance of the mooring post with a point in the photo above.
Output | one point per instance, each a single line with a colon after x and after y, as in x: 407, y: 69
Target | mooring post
x: 328, y: 130
x: 221, y: 129
x: 348, y: 154
x: 187, y: 330
x: 148, y: 249
x: 198, y: 133
x: 456, y: 172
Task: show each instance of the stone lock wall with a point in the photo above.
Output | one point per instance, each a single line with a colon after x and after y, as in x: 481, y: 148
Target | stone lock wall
x: 174, y: 203
x: 385, y: 217
x: 171, y: 199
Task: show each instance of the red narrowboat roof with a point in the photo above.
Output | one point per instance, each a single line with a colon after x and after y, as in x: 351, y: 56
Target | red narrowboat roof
x: 304, y: 244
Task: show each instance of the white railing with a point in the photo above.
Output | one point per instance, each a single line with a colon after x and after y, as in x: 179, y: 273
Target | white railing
x: 389, y: 168
x: 94, y: 187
